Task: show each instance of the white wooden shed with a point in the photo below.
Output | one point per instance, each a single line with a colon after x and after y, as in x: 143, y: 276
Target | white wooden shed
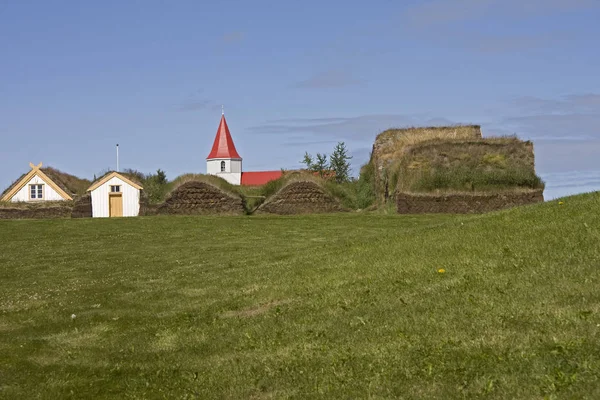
x: 115, y: 195
x: 35, y: 186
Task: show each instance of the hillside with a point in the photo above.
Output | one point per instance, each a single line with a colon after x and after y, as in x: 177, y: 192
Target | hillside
x: 350, y: 305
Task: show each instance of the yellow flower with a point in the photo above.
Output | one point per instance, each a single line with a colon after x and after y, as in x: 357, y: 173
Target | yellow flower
x: 560, y: 203
x: 441, y: 270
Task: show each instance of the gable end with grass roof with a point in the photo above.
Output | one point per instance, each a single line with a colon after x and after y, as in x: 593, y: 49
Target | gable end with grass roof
x: 38, y: 185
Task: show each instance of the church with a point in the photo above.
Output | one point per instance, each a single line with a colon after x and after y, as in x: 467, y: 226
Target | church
x: 224, y: 161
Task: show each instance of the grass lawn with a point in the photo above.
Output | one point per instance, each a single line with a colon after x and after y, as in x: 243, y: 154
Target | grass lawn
x: 337, y: 306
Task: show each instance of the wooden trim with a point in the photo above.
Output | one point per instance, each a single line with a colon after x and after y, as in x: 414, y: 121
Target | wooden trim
x: 54, y: 186
x: 109, y: 177
x: 35, y: 170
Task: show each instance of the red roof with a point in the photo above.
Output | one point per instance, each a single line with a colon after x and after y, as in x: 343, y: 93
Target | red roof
x: 259, y: 177
x: 223, y: 146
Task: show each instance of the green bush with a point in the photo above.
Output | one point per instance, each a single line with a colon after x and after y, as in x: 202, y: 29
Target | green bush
x: 365, y: 187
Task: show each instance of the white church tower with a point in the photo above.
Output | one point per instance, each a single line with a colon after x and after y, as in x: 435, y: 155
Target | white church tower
x: 224, y: 160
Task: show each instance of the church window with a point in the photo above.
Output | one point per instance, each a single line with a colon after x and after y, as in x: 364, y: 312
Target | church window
x: 222, y: 166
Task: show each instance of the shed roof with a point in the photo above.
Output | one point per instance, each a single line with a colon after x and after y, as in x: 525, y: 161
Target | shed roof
x: 112, y: 174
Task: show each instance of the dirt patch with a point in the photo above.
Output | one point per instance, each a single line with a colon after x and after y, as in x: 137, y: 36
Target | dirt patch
x: 82, y: 207
x: 197, y: 197
x: 301, y: 197
x: 254, y: 311
x: 464, y: 203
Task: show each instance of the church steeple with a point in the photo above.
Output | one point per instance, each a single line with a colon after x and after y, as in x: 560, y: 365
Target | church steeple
x: 223, y: 159
x: 223, y: 146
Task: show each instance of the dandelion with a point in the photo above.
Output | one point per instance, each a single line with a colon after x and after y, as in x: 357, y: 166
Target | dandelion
x: 560, y: 203
x: 441, y: 270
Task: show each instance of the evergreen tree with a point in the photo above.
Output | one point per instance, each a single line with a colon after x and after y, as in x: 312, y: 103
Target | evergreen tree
x: 318, y: 165
x: 161, y: 177
x: 321, y: 166
x: 309, y: 162
x: 340, y: 163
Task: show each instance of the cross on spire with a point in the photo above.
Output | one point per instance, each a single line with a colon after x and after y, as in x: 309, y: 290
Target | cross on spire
x: 222, y: 109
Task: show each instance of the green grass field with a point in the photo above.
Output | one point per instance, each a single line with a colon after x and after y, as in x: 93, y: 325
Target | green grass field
x: 338, y: 306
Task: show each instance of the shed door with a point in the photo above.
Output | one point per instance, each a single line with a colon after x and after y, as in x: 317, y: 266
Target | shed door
x: 115, y: 201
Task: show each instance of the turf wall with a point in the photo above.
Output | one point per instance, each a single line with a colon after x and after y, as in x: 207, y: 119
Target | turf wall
x: 301, y: 197
x: 196, y: 197
x: 36, y: 211
x: 464, y: 203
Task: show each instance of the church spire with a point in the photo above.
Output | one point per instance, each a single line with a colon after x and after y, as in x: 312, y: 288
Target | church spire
x: 223, y: 146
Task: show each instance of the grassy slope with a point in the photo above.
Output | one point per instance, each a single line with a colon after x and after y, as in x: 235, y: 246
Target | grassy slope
x: 348, y: 306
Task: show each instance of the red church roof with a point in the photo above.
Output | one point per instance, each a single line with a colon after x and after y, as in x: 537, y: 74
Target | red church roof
x: 259, y: 178
x: 223, y: 146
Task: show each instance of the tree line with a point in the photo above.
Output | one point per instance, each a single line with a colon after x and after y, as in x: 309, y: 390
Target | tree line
x: 336, y: 166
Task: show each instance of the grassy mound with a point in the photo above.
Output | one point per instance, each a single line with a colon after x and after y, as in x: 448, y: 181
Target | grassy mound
x: 301, y: 193
x: 202, y: 194
x: 390, y: 146
x: 483, y: 165
x: 352, y: 305
x: 67, y: 182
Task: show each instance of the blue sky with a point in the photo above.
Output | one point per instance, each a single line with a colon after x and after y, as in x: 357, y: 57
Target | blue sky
x: 77, y: 77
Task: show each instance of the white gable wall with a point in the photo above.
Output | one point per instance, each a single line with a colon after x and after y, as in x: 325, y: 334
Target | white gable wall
x: 49, y: 193
x: 233, y: 169
x: 131, y: 199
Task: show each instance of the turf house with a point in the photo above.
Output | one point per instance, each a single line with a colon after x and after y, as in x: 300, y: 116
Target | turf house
x: 39, y: 185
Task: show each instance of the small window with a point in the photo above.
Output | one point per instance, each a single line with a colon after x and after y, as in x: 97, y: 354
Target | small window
x: 36, y: 192
x: 115, y: 188
x: 222, y: 166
